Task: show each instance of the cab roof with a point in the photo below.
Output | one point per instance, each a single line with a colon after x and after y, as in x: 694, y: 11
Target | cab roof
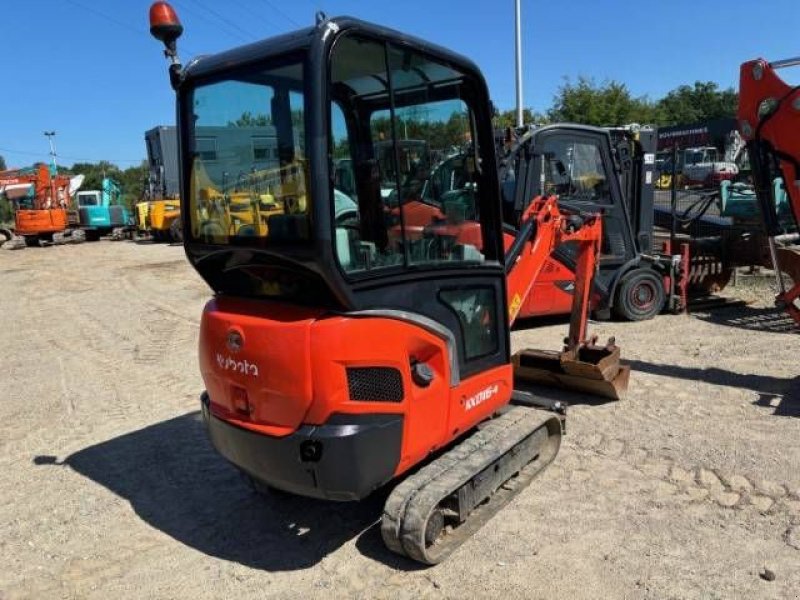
x: 303, y: 39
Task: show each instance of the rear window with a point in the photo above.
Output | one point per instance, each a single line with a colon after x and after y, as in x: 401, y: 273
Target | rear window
x: 249, y: 180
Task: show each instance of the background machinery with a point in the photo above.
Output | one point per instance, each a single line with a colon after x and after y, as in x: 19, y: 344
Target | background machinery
x: 608, y: 172
x: 356, y: 339
x: 101, y: 212
x: 161, y: 215
x: 751, y: 222
x: 41, y: 200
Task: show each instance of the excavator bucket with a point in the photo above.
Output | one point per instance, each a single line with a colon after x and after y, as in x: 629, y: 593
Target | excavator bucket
x: 592, y: 369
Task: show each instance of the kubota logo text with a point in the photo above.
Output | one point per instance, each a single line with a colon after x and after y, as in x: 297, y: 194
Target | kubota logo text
x: 480, y: 397
x: 240, y: 366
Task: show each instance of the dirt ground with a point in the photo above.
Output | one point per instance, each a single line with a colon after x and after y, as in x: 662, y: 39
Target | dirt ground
x: 689, y: 488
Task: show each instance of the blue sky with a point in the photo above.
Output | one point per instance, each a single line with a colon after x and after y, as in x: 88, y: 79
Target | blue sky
x: 89, y: 70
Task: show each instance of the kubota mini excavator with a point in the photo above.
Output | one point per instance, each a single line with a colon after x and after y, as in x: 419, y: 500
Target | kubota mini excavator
x: 355, y: 337
x: 769, y: 121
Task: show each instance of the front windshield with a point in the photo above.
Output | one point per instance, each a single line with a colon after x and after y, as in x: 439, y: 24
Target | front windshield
x: 693, y: 157
x: 249, y: 180
x: 402, y: 150
x: 87, y: 199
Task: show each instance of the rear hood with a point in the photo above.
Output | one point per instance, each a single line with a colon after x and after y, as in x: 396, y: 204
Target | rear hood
x: 255, y: 362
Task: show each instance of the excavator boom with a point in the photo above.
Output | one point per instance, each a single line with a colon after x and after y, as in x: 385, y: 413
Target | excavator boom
x: 582, y: 365
x: 769, y: 121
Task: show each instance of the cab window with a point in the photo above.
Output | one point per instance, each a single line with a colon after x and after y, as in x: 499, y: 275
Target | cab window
x: 249, y: 178
x: 403, y: 151
x: 573, y: 170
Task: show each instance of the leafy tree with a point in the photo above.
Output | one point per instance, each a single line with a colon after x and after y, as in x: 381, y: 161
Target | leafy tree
x: 248, y: 119
x: 508, y: 118
x: 703, y: 102
x: 94, y: 172
x: 6, y: 214
x: 610, y: 103
x: 131, y: 180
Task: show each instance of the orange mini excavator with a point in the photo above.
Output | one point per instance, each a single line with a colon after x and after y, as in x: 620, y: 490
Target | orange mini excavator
x: 360, y: 334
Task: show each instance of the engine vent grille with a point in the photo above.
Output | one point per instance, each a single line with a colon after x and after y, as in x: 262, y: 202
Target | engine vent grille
x: 375, y: 384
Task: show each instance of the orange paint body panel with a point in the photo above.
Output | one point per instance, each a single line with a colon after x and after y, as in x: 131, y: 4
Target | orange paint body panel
x: 419, y: 214
x: 272, y: 366
x: 302, y: 379
x: 549, y: 295
x: 34, y: 222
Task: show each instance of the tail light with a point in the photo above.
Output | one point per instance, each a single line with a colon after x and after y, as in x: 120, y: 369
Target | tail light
x: 240, y: 401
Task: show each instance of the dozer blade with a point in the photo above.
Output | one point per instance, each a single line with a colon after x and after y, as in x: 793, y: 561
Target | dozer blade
x: 435, y: 510
x: 597, y: 370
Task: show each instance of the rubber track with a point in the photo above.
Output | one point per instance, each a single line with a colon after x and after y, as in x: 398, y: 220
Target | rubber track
x: 535, y: 434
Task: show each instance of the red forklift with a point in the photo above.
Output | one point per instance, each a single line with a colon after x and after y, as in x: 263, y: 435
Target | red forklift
x: 356, y: 339
x: 607, y: 171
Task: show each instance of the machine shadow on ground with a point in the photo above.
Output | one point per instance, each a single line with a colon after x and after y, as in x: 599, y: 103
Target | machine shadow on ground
x: 771, y: 319
x: 781, y: 394
x: 177, y: 483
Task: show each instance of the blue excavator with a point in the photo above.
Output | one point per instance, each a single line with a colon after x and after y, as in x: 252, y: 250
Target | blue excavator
x: 101, y: 212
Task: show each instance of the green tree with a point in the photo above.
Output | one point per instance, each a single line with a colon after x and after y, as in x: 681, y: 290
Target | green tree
x: 508, y: 118
x: 702, y: 102
x: 248, y: 119
x: 94, y: 172
x: 610, y: 103
x: 131, y: 180
x: 6, y: 214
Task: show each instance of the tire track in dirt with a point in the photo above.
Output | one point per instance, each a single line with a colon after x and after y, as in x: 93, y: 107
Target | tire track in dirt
x: 126, y: 365
x: 699, y: 483
x: 144, y: 286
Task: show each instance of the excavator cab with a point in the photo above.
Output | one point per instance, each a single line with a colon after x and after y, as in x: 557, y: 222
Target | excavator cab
x: 267, y: 128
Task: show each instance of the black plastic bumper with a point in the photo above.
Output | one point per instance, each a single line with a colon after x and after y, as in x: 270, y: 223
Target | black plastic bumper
x: 344, y: 459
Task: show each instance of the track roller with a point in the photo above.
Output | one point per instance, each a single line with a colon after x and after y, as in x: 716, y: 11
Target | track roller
x: 435, y: 510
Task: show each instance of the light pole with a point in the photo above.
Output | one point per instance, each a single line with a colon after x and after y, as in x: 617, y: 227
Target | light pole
x: 50, y: 137
x: 518, y: 40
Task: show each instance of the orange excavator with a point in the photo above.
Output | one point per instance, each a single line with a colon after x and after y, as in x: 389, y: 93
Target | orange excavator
x: 769, y: 121
x: 41, y: 201
x: 361, y: 338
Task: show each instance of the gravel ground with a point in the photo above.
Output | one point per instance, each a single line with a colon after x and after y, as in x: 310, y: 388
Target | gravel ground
x: 689, y: 488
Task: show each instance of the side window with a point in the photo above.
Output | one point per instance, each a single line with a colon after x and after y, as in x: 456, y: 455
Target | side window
x: 477, y: 315
x: 573, y: 169
x: 408, y: 160
x: 341, y: 156
x: 428, y: 172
